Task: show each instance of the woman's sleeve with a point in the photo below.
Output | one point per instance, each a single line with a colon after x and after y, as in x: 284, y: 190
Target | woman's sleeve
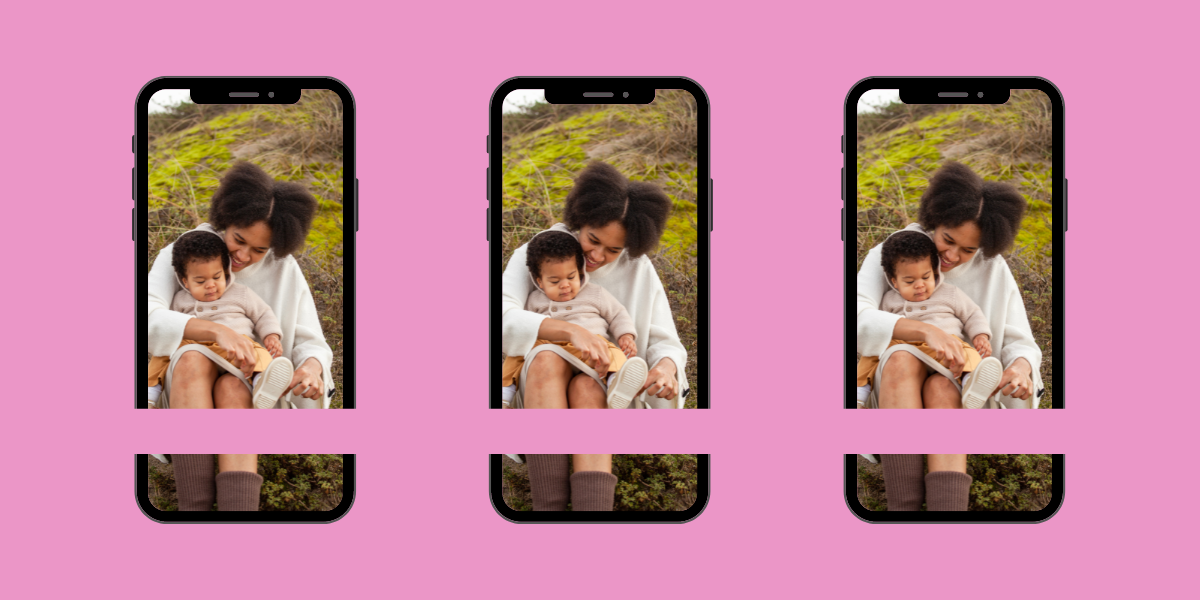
x: 663, y: 339
x: 165, y: 331
x: 875, y: 326
x: 308, y: 341
x: 519, y: 327
x: 1018, y: 335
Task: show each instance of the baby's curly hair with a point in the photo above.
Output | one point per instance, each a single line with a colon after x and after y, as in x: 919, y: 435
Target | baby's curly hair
x: 956, y: 195
x: 247, y: 195
x: 909, y: 246
x: 554, y: 246
x: 198, y: 246
x: 602, y: 195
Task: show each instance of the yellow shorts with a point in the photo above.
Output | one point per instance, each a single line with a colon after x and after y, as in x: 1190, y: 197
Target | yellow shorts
x: 512, y: 365
x: 867, y: 364
x: 159, y: 364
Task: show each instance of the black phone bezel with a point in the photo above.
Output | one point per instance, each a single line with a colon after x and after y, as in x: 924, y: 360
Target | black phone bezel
x: 924, y: 90
x: 641, y: 91
x: 1033, y: 516
x: 496, y: 497
x: 212, y: 90
x: 142, y: 495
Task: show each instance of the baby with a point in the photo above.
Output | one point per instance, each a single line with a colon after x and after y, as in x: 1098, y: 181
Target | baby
x: 910, y: 261
x: 201, y: 262
x: 555, y: 261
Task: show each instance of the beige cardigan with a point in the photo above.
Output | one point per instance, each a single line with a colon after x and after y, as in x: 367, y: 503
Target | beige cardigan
x: 593, y: 308
x: 239, y: 309
x: 948, y: 309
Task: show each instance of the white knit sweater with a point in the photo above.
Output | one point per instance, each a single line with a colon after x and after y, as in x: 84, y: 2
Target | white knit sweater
x: 280, y: 283
x: 989, y: 283
x: 633, y: 282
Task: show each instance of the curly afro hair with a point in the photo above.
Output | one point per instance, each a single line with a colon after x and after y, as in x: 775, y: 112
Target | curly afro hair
x: 247, y: 195
x: 198, y: 246
x: 554, y: 246
x: 956, y: 195
x: 909, y: 246
x: 602, y: 195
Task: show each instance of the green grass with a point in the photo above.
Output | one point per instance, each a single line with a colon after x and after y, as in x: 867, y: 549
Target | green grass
x: 291, y: 482
x: 1001, y: 482
x: 191, y: 146
x: 645, y: 482
x: 900, y: 147
x: 548, y: 144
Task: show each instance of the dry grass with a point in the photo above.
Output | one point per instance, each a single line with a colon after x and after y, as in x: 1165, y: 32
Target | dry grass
x: 1001, y: 482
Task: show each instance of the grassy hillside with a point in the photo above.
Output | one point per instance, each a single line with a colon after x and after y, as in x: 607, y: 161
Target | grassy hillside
x: 900, y: 146
x: 1002, y: 482
x: 191, y: 146
x: 645, y: 482
x: 547, y: 144
x: 290, y: 482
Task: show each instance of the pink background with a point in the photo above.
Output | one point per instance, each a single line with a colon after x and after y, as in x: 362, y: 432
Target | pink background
x: 421, y: 526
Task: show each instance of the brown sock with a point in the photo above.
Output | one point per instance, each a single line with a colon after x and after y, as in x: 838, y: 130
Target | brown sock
x: 904, y: 481
x: 947, y: 490
x: 238, y: 491
x: 548, y: 479
x: 592, y: 490
x: 194, y: 485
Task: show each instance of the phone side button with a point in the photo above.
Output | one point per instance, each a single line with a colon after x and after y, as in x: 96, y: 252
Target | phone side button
x: 1066, y: 207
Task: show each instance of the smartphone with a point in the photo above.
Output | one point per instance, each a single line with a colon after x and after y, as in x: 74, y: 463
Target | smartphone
x: 599, y: 488
x: 598, y: 222
x: 244, y: 488
x: 246, y: 196
x: 954, y: 488
x: 955, y: 277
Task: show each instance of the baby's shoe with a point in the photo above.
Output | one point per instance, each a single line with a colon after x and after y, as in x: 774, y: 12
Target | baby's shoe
x: 271, y: 383
x: 626, y: 384
x: 982, y: 382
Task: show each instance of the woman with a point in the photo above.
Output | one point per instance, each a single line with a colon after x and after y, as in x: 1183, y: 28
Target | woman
x: 590, y: 488
x: 198, y: 485
x: 966, y: 216
x: 263, y: 221
x: 946, y: 487
x: 617, y: 222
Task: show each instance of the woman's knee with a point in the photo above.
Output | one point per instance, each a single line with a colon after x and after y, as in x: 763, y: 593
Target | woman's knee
x: 548, y: 367
x: 194, y: 366
x: 903, y: 367
x: 585, y: 392
x: 230, y: 392
x: 940, y: 392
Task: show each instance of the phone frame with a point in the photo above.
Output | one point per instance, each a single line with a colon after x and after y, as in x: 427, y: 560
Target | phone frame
x: 916, y: 516
x: 924, y: 90
x: 641, y: 90
x: 496, y: 498
x: 210, y: 90
x: 142, y: 495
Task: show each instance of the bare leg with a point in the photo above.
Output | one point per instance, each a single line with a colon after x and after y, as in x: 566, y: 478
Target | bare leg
x: 239, y: 486
x: 237, y: 462
x: 903, y: 377
x: 947, y: 462
x: 192, y: 381
x: 585, y: 392
x: 546, y: 382
x: 592, y: 462
x: 230, y: 392
x: 940, y: 392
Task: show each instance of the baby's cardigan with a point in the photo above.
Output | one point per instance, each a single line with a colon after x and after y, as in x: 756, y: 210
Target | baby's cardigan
x: 593, y: 308
x: 947, y: 309
x: 239, y: 309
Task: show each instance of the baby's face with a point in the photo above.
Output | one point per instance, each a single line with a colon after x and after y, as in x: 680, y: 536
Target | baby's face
x: 559, y: 279
x: 205, y: 280
x: 915, y: 280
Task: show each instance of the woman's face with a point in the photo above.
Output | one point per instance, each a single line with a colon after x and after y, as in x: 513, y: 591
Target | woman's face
x: 956, y: 245
x: 247, y: 245
x: 601, y: 245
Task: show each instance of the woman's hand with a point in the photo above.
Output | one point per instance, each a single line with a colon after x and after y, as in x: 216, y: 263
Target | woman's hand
x: 239, y: 350
x: 1017, y: 381
x: 272, y: 344
x: 592, y: 349
x: 306, y: 381
x: 661, y: 381
x: 627, y: 345
x: 947, y: 348
x: 983, y: 344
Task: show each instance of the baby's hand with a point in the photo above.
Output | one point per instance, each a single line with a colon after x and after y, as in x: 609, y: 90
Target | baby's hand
x: 983, y: 344
x: 627, y: 345
x: 271, y: 343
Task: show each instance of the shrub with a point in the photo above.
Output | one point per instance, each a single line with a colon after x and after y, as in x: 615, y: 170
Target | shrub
x: 290, y: 482
x: 1001, y: 482
x: 645, y: 482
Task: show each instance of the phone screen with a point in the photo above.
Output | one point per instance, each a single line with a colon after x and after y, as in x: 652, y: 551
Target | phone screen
x: 599, y: 225
x: 955, y: 272
x: 245, y: 214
